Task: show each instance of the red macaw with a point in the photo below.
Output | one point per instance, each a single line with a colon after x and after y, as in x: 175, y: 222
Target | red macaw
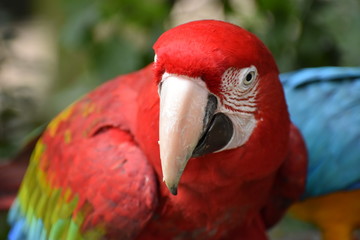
x: 208, y: 118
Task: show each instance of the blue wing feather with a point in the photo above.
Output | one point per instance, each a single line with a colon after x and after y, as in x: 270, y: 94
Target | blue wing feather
x: 17, y: 222
x: 325, y: 104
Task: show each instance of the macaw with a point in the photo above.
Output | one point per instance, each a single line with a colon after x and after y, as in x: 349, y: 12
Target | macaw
x: 325, y: 104
x: 197, y: 145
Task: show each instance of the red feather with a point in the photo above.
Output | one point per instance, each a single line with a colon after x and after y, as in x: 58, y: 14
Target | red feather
x: 105, y: 148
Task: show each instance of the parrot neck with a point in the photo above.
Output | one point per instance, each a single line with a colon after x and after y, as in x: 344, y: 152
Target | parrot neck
x: 233, y: 184
x: 209, y: 196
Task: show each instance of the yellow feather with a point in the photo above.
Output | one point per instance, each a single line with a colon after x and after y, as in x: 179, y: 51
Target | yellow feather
x: 336, y: 214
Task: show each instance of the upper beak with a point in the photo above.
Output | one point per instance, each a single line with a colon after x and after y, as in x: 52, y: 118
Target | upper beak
x: 182, y: 110
x: 186, y: 121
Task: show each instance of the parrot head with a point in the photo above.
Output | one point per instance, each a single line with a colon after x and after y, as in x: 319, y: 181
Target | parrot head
x: 218, y: 86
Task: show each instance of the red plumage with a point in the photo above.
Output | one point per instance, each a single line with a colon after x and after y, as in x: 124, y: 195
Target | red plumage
x: 105, y: 149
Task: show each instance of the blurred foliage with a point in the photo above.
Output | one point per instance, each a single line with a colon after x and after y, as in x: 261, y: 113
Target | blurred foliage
x: 16, y: 119
x: 304, y: 33
x: 99, y: 40
x: 4, y: 228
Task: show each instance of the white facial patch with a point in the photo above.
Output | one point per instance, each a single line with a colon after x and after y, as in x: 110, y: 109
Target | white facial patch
x: 238, y: 91
x: 239, y: 88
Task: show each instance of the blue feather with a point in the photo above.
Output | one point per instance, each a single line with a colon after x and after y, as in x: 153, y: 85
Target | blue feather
x: 17, y: 222
x: 324, y: 103
x: 16, y: 232
x: 20, y: 228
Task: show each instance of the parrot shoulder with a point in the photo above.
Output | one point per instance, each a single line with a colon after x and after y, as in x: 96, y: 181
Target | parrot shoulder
x: 88, y: 178
x: 290, y: 182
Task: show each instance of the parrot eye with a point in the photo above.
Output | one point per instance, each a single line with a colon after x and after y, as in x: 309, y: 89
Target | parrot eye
x: 249, y: 76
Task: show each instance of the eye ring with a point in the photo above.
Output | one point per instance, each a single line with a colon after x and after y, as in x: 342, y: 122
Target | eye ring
x: 249, y: 78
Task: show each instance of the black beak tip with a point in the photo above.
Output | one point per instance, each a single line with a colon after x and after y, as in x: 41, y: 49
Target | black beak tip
x: 173, y: 190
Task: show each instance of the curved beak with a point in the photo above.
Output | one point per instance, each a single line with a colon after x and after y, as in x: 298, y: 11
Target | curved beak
x: 182, y: 111
x: 189, y: 126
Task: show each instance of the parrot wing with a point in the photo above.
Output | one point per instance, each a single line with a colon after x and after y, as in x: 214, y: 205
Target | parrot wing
x: 324, y: 103
x: 88, y: 178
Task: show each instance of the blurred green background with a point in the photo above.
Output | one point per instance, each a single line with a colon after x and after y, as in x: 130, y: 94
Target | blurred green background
x: 52, y: 52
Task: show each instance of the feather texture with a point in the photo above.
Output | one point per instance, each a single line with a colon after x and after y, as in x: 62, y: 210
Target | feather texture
x: 325, y: 104
x: 87, y: 177
x: 96, y: 171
